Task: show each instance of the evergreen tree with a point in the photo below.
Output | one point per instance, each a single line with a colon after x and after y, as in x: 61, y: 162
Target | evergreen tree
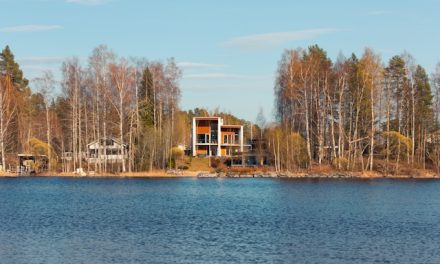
x: 425, y: 122
x: 21, y: 118
x: 423, y: 105
x: 12, y: 68
x: 146, y: 144
x: 147, y: 99
x: 397, y: 81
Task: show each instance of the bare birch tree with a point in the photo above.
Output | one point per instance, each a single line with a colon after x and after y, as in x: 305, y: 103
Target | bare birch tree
x: 122, y: 80
x: 46, y: 87
x: 7, y: 110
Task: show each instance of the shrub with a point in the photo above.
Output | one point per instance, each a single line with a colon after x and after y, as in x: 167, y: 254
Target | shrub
x: 183, y: 167
x: 395, y: 148
x: 340, y: 163
x: 299, y: 148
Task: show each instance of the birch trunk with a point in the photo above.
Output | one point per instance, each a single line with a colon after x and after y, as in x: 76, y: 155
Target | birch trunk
x: 372, y: 126
x: 49, y: 151
x: 2, y: 127
x: 309, y: 151
x: 121, y: 131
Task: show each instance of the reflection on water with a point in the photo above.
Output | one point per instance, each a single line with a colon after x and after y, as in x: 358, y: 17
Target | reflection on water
x: 58, y: 220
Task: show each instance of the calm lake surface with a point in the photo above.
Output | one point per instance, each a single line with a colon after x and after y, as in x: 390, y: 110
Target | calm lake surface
x: 62, y: 220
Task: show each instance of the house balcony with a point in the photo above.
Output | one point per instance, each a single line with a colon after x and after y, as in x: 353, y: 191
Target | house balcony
x: 204, y: 142
x: 231, y: 143
x: 103, y: 158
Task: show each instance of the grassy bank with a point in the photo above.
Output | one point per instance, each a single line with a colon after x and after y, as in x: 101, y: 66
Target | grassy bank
x: 316, y: 172
x: 201, y: 167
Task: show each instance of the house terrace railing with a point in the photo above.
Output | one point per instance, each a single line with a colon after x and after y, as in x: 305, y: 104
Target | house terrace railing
x: 231, y: 142
x: 200, y: 141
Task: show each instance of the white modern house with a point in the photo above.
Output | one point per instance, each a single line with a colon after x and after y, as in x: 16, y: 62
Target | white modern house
x: 210, y: 137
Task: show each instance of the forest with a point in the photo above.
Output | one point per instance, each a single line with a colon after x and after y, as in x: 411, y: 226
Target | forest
x: 132, y: 100
x: 356, y: 114
x: 353, y: 114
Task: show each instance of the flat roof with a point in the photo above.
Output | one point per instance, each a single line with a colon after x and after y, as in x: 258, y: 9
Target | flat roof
x: 216, y: 118
x: 207, y: 117
x: 231, y: 126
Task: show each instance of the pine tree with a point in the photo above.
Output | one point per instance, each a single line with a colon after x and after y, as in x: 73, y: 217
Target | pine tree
x: 423, y: 98
x: 10, y: 67
x: 147, y: 99
x: 146, y: 145
x: 21, y: 118
x: 397, y: 81
x: 424, y: 122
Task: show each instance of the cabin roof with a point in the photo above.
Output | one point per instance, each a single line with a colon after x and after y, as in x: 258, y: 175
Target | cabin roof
x: 30, y: 155
x: 105, y: 138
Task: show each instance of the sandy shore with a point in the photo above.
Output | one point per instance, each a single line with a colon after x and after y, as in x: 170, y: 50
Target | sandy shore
x: 150, y: 174
x: 287, y: 175
x: 146, y: 174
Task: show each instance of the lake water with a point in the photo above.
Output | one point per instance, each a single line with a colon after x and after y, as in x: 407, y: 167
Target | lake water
x: 72, y: 220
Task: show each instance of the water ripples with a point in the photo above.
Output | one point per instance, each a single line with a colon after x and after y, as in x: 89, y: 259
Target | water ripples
x: 58, y: 220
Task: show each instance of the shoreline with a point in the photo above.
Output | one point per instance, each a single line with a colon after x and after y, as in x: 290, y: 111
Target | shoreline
x: 426, y: 175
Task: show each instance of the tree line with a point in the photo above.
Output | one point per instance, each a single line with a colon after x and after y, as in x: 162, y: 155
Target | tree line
x: 354, y: 113
x: 134, y: 100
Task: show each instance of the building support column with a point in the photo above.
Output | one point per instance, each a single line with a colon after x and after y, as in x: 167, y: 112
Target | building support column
x: 241, y: 139
x: 194, y: 138
x: 219, y: 134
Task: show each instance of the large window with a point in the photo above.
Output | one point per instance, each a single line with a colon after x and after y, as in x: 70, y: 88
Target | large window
x: 202, y: 138
x: 227, y: 139
x: 93, y: 153
x: 231, y: 139
x: 112, y: 151
x: 106, y: 142
x: 214, y: 131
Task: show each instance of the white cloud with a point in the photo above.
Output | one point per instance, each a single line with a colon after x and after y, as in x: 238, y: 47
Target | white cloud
x: 274, y: 39
x: 88, y: 2
x: 29, y: 28
x: 193, y: 65
x: 211, y: 87
x: 34, y: 68
x: 40, y: 60
x: 214, y: 87
x: 214, y: 76
x: 34, y: 71
x: 378, y: 13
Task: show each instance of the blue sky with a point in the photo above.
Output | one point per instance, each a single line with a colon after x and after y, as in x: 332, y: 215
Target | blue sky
x: 228, y: 50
